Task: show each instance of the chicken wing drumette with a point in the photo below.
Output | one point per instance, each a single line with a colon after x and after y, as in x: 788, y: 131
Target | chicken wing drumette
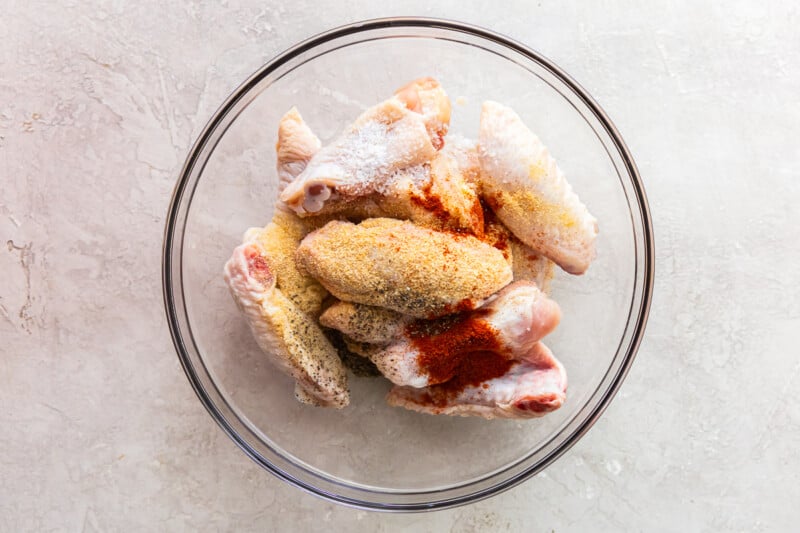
x: 526, y: 388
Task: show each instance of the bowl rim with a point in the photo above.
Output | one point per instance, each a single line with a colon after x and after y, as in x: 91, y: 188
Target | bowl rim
x: 648, y: 257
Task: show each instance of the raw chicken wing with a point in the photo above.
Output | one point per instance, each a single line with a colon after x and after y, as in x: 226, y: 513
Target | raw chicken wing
x: 427, y: 353
x: 530, y: 194
x: 403, y: 267
x: 435, y: 195
x: 529, y: 388
x: 292, y: 341
x: 400, y: 132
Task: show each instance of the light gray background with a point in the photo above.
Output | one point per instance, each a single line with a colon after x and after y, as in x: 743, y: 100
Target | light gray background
x: 99, y: 429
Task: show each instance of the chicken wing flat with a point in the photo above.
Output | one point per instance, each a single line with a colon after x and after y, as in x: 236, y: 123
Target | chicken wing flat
x: 526, y: 388
x: 530, y: 194
x: 435, y: 195
x: 400, y: 266
x: 400, y: 132
x: 292, y: 341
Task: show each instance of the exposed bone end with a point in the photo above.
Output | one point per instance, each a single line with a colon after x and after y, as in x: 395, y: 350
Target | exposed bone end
x: 554, y: 378
x: 315, y: 197
x: 258, y: 267
x: 306, y: 198
x: 307, y: 194
x: 248, y: 271
x: 540, y: 404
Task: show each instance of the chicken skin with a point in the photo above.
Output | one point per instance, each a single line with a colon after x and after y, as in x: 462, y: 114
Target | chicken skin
x: 435, y: 195
x: 529, y: 193
x: 527, y: 265
x: 401, y: 132
x: 292, y: 341
x: 465, y: 153
x: 527, y: 388
x: 530, y: 266
x: 296, y: 145
x: 280, y: 238
x: 426, y: 97
x: 279, y: 241
x: 424, y: 353
x: 400, y: 266
x: 364, y: 323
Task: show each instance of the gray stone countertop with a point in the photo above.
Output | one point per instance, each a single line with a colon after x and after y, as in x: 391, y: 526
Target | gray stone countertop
x: 99, y: 428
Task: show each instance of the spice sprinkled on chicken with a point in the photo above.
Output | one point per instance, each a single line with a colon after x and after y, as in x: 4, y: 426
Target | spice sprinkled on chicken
x: 403, y: 267
x: 294, y: 342
x: 491, y: 387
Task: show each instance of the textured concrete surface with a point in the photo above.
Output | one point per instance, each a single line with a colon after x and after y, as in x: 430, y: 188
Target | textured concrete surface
x: 99, y: 429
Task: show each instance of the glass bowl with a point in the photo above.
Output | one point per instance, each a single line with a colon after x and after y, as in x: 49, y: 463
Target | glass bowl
x: 370, y: 455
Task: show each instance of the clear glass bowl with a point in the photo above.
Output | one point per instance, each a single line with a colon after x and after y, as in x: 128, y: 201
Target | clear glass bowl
x: 370, y: 455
